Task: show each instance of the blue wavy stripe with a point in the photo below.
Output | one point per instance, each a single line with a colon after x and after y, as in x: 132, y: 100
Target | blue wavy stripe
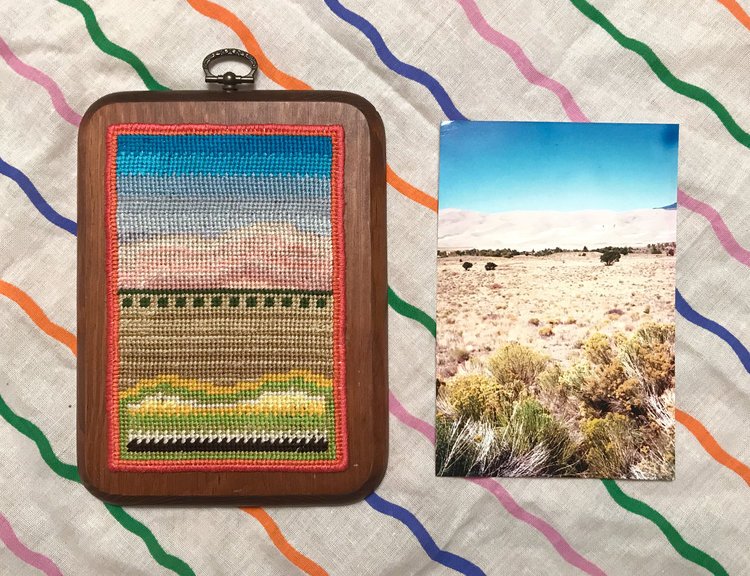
x: 36, y: 198
x: 399, y: 67
x: 448, y: 559
x: 701, y: 321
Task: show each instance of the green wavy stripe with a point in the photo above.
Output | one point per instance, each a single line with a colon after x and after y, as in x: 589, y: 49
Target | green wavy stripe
x: 680, y: 86
x: 684, y: 549
x: 70, y: 472
x: 129, y: 523
x: 109, y: 47
x: 31, y: 431
x: 411, y: 311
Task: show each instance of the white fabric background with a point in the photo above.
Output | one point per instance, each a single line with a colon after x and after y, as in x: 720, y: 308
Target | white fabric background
x: 698, y: 40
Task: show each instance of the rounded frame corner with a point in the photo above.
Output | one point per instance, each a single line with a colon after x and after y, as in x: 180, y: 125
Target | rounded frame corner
x: 91, y: 485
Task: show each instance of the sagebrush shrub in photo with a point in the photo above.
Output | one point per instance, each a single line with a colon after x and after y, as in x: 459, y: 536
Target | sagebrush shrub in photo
x: 475, y: 396
x: 516, y: 362
x: 610, y: 446
x: 520, y: 413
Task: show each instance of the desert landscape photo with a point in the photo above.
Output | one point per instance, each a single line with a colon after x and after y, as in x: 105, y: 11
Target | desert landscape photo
x: 555, y: 343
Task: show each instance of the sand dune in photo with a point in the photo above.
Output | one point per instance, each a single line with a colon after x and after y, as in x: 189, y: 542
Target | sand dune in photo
x: 536, y: 230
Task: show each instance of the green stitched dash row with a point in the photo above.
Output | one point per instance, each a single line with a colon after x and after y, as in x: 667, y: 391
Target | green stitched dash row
x: 227, y: 301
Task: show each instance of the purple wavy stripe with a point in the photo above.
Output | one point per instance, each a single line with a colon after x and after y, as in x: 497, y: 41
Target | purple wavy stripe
x: 563, y: 547
x: 35, y: 559
x: 575, y: 114
x: 22, y: 69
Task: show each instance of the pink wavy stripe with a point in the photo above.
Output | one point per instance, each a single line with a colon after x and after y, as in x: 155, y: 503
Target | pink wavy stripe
x: 398, y: 410
x: 559, y: 543
x: 524, y: 65
x: 39, y: 561
x: 58, y: 100
x: 723, y: 233
x: 575, y: 114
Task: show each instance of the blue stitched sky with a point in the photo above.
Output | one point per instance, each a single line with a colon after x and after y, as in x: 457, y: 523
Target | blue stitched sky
x: 507, y: 166
x: 223, y: 154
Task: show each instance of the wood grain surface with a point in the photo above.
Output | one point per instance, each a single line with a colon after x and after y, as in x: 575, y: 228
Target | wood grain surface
x: 366, y: 298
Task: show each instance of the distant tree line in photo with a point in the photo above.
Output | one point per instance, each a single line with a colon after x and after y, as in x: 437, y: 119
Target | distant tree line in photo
x: 667, y: 248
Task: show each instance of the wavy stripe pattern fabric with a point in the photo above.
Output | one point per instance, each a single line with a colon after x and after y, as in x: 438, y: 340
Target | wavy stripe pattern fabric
x: 416, y: 62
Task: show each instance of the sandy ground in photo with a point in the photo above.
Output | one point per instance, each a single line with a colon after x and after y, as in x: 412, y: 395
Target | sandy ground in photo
x: 549, y: 303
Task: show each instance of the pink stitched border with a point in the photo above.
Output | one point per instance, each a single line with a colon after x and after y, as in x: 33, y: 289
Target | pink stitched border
x: 339, y: 289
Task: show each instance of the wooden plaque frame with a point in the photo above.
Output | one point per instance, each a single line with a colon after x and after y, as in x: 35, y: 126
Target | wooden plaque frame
x: 365, y: 297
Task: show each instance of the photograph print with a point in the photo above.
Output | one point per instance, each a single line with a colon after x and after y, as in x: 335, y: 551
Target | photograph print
x: 555, y: 300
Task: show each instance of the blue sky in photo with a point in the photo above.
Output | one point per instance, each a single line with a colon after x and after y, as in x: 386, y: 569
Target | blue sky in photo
x: 508, y: 166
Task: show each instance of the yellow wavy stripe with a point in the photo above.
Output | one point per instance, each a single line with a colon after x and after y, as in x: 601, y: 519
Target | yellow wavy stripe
x: 209, y: 388
x: 282, y: 404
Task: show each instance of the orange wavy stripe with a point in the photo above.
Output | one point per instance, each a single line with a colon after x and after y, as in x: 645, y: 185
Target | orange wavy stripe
x: 737, y: 12
x: 410, y: 191
x: 292, y: 554
x: 711, y: 446
x: 38, y: 316
x: 230, y: 19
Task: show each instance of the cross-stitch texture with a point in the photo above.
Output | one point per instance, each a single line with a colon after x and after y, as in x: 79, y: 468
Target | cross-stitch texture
x: 225, y: 312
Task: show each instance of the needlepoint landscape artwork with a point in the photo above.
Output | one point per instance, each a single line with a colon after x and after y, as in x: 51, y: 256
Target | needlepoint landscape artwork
x: 225, y: 298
